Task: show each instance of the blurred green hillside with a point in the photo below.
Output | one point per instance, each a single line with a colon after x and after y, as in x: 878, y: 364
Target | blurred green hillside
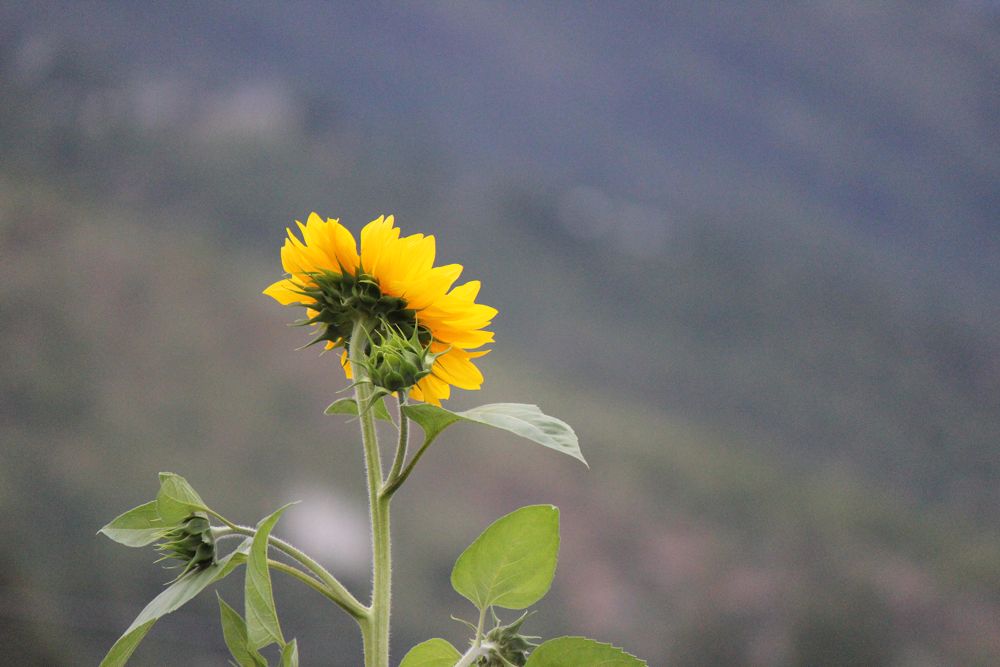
x: 793, y: 435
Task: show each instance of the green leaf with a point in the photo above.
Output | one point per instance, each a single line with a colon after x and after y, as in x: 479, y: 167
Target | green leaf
x: 171, y: 599
x: 527, y: 421
x: 580, y: 652
x: 512, y: 563
x: 176, y: 500
x: 431, y: 653
x: 348, y: 406
x: 138, y: 527
x: 290, y: 654
x: 234, y: 632
x: 431, y: 418
x: 262, y: 618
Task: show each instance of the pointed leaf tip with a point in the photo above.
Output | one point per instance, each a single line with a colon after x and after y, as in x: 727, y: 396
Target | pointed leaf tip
x: 522, y: 419
x: 138, y: 527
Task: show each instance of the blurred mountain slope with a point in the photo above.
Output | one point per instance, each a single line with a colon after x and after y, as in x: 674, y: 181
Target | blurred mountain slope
x: 883, y: 119
x: 163, y: 356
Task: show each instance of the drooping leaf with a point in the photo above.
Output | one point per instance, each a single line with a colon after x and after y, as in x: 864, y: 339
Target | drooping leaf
x: 138, y: 527
x: 177, y: 500
x: 512, y: 563
x: 527, y: 421
x: 234, y: 632
x: 290, y: 654
x: 580, y: 652
x: 171, y: 599
x: 431, y: 653
x: 348, y: 406
x: 262, y: 618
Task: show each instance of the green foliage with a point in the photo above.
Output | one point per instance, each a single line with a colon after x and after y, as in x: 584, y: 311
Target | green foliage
x: 174, y: 597
x: 138, y: 527
x: 527, y: 421
x: 431, y: 653
x: 512, y: 563
x: 580, y: 652
x: 234, y: 632
x: 177, y: 500
x: 348, y: 406
x: 290, y: 654
x: 263, y: 628
x: 432, y: 419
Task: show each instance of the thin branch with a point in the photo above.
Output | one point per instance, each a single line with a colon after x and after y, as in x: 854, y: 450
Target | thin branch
x: 401, y: 447
x: 337, y: 590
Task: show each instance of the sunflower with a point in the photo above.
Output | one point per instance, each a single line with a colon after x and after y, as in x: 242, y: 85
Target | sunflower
x: 391, y: 286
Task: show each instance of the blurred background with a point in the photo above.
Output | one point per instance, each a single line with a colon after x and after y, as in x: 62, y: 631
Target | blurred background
x: 749, y: 251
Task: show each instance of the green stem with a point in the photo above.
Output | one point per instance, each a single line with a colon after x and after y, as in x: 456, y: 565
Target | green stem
x: 401, y: 447
x: 480, y: 626
x: 375, y: 627
x: 478, y: 648
x: 335, y: 590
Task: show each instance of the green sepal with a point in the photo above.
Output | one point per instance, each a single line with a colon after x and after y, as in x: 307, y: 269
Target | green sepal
x: 171, y: 599
x: 512, y: 563
x: 177, y: 500
x: 527, y: 421
x: 431, y: 653
x: 348, y: 406
x: 261, y: 616
x: 581, y: 652
x: 234, y: 632
x: 138, y: 527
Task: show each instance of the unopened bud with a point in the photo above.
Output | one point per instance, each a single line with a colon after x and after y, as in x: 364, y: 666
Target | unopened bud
x: 191, y: 543
x: 507, y: 645
x: 397, y: 362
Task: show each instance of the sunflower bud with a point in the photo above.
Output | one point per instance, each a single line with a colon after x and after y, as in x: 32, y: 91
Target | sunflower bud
x: 397, y: 362
x: 191, y: 543
x: 507, y: 645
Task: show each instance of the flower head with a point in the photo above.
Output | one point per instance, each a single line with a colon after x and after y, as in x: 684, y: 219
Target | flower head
x: 393, y: 287
x: 506, y: 645
x: 191, y: 543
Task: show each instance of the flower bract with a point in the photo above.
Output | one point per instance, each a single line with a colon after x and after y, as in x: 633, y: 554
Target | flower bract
x: 392, y: 286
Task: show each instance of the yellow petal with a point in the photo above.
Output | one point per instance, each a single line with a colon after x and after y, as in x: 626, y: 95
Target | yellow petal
x: 433, y: 287
x: 375, y: 236
x: 284, y: 292
x: 459, y: 372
